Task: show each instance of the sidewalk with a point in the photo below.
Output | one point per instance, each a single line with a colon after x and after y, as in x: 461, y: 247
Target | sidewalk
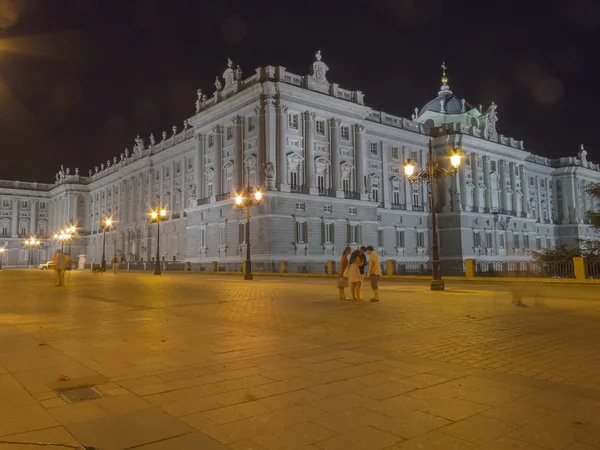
x: 217, y: 362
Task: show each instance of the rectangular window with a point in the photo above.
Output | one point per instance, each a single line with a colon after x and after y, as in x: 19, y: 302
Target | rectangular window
x: 492, y: 166
x: 320, y: 125
x: 414, y: 156
x: 548, y: 243
x: 167, y: 172
x: 373, y: 148
x: 211, y: 140
x: 538, y: 243
x: 526, y: 239
x: 489, y: 238
x: 23, y: 231
x: 420, y: 239
x: 229, y: 132
x: 396, y: 197
x: 6, y: 203
x: 415, y: 199
x: 202, y: 237
x: 294, y: 179
x: 4, y: 231
x: 329, y: 236
x: 42, y: 205
x: 300, y: 206
x: 189, y: 163
x: 293, y: 121
x: 400, y: 238
x: 380, y: 238
x: 353, y: 237
x: 352, y: 211
x: 327, y: 209
x: 209, y: 190
x: 346, y: 185
x: 24, y: 204
x: 301, y: 232
x: 376, y: 194
x: 476, y: 239
x: 501, y: 240
x: 178, y: 168
x: 517, y: 241
x: 345, y: 133
x: 321, y: 183
x: 222, y: 236
x: 242, y: 233
x: 542, y: 183
x: 251, y: 123
x: 395, y: 153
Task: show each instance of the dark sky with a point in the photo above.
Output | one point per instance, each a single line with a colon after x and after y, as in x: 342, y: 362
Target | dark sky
x: 80, y: 78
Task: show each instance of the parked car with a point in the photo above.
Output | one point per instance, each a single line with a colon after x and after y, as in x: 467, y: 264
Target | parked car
x: 47, y: 265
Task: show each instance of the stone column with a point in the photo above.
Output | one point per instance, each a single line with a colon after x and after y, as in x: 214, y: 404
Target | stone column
x: 525, y: 189
x: 539, y: 199
x: 309, y: 151
x: 199, y: 166
x: 359, y: 159
x: 14, y: 223
x: 281, y: 149
x: 385, y: 180
x: 268, y: 136
x: 488, y: 183
x: 149, y: 193
x: 407, y: 185
x: 33, y: 221
x: 476, y: 190
x: 549, y: 201
x: 502, y: 186
x: 513, y: 185
x: 461, y: 189
x: 334, y: 144
x: 218, y: 131
x: 238, y: 180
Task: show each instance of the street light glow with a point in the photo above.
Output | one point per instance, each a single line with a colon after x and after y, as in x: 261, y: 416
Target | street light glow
x: 108, y: 222
x: 239, y: 200
x: 154, y: 215
x: 409, y: 168
x: 258, y: 195
x: 455, y: 160
x: 163, y: 212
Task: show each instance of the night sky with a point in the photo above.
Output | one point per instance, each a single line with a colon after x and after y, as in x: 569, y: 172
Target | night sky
x: 80, y: 78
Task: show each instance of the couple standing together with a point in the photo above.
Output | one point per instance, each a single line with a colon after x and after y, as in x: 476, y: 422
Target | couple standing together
x: 352, y: 272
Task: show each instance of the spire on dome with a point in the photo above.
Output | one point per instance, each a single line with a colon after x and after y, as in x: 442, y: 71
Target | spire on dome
x: 445, y: 88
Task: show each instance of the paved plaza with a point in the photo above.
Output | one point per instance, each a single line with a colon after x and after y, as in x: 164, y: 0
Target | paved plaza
x: 192, y: 361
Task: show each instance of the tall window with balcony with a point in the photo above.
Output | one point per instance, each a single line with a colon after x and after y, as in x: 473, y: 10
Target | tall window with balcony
x: 328, y: 233
x: 293, y: 121
x: 345, y: 133
x: 301, y: 232
x: 375, y: 190
x: 420, y: 239
x: 400, y: 242
x: 380, y: 238
x: 320, y: 127
x: 353, y: 235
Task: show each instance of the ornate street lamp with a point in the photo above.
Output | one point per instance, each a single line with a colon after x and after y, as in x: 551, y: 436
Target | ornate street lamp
x: 247, y: 200
x: 156, y: 216
x: 433, y: 172
x: 1, y: 255
x: 31, y: 243
x: 107, y: 222
x: 70, y: 231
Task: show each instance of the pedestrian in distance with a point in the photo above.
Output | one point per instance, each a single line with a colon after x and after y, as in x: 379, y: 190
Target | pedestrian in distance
x: 342, y: 281
x: 374, y: 272
x: 59, y: 268
x: 364, y: 266
x: 115, y: 262
x: 354, y: 276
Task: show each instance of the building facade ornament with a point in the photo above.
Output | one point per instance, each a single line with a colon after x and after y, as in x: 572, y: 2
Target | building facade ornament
x: 319, y: 69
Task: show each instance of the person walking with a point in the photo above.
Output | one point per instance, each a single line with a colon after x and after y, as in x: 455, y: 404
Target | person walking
x: 115, y: 264
x: 342, y: 281
x: 362, y: 268
x: 354, y: 276
x: 59, y: 267
x: 374, y: 272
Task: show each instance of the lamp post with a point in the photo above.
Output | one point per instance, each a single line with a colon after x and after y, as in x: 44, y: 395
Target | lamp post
x: 1, y: 256
x: 246, y: 201
x: 31, y: 243
x: 107, y: 223
x: 70, y: 232
x: 431, y: 173
x: 156, y: 216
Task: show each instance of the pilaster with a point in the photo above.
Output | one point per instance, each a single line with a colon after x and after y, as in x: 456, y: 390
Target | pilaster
x: 218, y: 132
x: 334, y: 136
x: 238, y: 179
x: 281, y: 148
x: 309, y: 151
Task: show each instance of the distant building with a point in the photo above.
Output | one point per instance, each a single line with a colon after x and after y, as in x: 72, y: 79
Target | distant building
x: 332, y: 169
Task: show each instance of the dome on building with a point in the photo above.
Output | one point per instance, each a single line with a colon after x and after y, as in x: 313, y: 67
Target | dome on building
x: 446, y: 103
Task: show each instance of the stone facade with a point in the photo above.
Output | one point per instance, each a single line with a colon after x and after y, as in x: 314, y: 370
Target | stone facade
x: 332, y: 171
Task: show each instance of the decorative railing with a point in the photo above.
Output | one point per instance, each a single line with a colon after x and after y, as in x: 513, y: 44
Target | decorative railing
x: 593, y: 268
x: 223, y: 197
x: 399, y: 206
x: 352, y: 195
x: 327, y: 192
x: 202, y: 201
x: 525, y: 269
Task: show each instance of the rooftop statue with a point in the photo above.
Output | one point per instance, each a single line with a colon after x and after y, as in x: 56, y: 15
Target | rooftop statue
x: 228, y: 75
x: 319, y: 68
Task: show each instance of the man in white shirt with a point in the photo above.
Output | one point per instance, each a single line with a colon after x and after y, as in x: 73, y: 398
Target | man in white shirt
x: 374, y: 272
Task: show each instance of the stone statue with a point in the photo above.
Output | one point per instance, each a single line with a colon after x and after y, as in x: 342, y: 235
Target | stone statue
x: 174, y: 130
x: 185, y: 124
x: 164, y: 135
x: 139, y: 145
x: 101, y: 166
x: 218, y: 85
x: 197, y: 106
x: 126, y: 153
x: 415, y: 114
x: 57, y: 177
x: 203, y: 99
x: 90, y: 172
x: 269, y: 171
x: 489, y: 121
x: 114, y: 160
x: 61, y: 172
x: 238, y: 73
x: 583, y: 155
x: 107, y: 163
x: 319, y: 68
x: 76, y: 170
x: 122, y: 157
x: 96, y: 169
x: 229, y: 74
x: 68, y: 171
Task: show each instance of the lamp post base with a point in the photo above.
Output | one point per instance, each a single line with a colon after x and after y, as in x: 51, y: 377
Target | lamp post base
x: 437, y: 285
x: 248, y: 276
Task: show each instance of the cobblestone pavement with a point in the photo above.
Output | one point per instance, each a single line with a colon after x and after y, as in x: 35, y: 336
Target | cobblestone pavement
x: 189, y: 361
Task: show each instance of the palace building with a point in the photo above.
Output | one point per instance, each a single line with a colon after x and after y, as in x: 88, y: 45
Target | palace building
x: 332, y: 170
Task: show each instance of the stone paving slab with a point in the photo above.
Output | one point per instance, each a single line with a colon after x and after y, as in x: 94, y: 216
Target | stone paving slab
x: 186, y: 361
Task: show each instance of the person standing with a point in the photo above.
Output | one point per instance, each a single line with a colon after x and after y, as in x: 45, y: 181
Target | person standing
x: 115, y: 264
x: 362, y: 268
x: 374, y: 272
x: 59, y: 267
x: 342, y: 281
x: 354, y: 276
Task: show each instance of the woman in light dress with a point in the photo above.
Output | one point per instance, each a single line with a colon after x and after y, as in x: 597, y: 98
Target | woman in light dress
x: 343, y: 274
x: 354, y: 275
